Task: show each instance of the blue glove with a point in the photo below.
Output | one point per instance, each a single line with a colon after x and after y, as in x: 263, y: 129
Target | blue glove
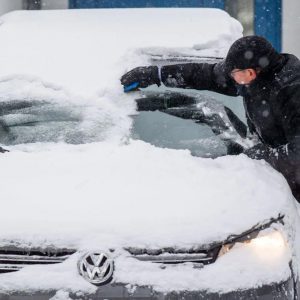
x: 131, y: 87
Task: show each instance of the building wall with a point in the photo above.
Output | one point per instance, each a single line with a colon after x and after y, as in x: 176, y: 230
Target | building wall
x: 9, y: 5
x: 291, y: 27
x: 244, y: 12
x: 55, y: 4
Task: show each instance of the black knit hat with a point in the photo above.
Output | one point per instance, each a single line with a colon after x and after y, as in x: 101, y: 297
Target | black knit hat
x: 251, y: 52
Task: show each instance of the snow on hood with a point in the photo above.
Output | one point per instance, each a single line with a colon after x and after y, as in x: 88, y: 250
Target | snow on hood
x: 134, y: 195
x: 84, y: 50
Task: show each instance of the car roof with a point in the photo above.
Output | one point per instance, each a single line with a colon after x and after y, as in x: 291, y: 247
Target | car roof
x: 86, y: 51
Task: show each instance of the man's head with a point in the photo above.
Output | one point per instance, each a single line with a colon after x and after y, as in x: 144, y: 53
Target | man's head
x: 244, y: 76
x: 249, y: 56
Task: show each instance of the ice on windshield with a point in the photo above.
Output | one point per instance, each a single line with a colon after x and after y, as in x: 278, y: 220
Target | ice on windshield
x: 32, y: 111
x: 40, y: 121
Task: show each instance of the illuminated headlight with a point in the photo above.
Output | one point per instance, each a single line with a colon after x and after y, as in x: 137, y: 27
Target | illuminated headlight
x: 268, y: 245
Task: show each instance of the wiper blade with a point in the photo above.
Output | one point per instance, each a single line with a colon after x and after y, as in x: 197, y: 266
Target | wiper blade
x: 239, y: 126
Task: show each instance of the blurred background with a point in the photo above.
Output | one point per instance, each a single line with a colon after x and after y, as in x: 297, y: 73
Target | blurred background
x: 277, y: 20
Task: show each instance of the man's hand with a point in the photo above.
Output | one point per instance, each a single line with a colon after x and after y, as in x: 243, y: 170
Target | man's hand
x: 262, y: 151
x: 140, y: 77
x: 259, y: 151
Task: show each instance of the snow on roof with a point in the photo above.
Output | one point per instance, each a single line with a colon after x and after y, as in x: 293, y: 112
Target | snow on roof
x: 83, y: 50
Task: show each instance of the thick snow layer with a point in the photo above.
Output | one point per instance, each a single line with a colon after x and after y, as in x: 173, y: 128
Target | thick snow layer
x: 102, y: 196
x: 136, y: 194
x: 86, y: 51
x: 104, y: 117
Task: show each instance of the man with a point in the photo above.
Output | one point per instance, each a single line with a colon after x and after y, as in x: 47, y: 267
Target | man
x: 270, y: 85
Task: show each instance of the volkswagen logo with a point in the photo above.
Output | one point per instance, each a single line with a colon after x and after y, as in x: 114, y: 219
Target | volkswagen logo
x: 96, y: 267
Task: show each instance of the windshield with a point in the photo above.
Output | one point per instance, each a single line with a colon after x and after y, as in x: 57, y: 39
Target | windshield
x: 187, y: 119
x: 193, y: 120
x: 167, y: 131
x: 34, y: 121
x: 190, y: 119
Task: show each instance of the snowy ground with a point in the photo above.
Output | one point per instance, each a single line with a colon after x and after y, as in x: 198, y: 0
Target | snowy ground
x: 120, y: 192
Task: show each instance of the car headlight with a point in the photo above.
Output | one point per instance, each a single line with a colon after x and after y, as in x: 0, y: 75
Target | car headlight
x: 267, y: 245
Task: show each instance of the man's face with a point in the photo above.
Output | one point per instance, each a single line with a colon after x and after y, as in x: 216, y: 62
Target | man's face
x: 245, y: 76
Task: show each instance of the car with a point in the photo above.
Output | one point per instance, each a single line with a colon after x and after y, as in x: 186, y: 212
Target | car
x: 113, y: 195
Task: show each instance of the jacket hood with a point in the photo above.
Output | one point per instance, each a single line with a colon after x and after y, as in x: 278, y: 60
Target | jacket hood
x: 252, y: 52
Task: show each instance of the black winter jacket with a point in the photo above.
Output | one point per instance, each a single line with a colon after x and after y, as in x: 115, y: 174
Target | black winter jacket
x: 272, y: 104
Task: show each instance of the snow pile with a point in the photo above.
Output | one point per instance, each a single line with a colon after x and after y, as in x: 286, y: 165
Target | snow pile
x: 61, y: 295
x: 59, y: 116
x: 136, y: 194
x: 102, y: 196
x: 83, y: 50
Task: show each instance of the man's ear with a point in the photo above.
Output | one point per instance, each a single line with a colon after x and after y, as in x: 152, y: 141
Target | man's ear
x: 253, y: 73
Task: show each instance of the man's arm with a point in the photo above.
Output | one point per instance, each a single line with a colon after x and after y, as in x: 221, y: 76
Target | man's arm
x: 200, y: 76
x: 288, y: 101
x: 286, y: 158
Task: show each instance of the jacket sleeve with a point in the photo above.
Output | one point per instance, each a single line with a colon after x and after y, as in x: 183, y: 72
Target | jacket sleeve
x: 200, y: 76
x: 286, y: 158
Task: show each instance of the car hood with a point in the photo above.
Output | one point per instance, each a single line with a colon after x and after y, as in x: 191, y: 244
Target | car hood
x: 113, y: 195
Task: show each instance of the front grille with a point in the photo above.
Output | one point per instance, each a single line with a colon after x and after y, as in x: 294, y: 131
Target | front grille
x: 199, y: 257
x: 13, y: 258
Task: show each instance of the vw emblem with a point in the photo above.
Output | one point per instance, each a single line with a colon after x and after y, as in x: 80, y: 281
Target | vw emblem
x: 96, y: 267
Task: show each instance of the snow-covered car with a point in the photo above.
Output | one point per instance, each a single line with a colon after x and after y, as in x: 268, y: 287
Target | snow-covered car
x: 99, y: 201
